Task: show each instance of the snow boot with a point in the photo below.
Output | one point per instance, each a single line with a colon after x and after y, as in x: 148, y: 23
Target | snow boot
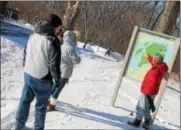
x: 146, y: 124
x: 135, y: 123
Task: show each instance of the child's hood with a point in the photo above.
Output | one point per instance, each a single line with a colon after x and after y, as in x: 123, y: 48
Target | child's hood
x: 162, y: 67
x: 69, y: 38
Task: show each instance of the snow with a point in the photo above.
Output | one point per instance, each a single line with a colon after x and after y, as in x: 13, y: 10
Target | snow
x: 15, y: 32
x: 101, y: 52
x: 85, y: 102
x: 19, y: 23
x: 29, y: 25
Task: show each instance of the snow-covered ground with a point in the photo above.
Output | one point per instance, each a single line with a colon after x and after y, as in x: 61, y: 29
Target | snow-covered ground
x: 19, y: 23
x: 85, y: 102
x: 15, y: 31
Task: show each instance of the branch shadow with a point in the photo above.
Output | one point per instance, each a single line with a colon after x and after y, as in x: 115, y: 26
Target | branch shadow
x: 173, y: 89
x: 102, y: 117
x: 125, y: 109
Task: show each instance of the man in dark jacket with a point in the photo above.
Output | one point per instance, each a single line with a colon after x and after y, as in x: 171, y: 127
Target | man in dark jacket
x: 41, y: 67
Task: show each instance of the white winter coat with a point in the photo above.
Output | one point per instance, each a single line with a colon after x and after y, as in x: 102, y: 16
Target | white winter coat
x: 68, y: 57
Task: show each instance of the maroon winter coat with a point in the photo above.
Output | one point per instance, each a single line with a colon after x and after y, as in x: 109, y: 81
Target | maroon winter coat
x: 153, y: 78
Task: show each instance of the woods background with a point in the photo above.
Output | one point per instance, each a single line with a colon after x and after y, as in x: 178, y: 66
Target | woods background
x: 109, y: 23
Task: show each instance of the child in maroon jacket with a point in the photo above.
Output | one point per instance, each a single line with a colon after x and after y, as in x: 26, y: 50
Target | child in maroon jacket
x: 149, y: 89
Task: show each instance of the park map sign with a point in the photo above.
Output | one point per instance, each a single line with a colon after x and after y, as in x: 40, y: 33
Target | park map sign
x: 151, y: 43
x: 136, y: 65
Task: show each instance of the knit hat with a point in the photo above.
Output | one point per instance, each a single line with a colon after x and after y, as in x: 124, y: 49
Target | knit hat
x: 54, y: 20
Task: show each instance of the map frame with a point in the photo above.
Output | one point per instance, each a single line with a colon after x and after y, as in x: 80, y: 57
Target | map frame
x: 128, y: 56
x: 138, y: 76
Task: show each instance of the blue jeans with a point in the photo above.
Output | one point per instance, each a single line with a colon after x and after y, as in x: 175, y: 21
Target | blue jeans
x: 41, y: 90
x: 58, y: 88
x: 143, y: 107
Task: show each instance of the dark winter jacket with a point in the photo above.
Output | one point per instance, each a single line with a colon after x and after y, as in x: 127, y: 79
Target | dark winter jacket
x: 153, y: 78
x: 42, y: 55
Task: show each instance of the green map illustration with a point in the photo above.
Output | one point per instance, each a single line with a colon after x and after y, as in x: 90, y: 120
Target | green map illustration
x: 138, y: 65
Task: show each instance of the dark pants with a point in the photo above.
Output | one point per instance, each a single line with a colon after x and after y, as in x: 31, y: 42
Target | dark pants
x: 58, y: 88
x: 41, y: 90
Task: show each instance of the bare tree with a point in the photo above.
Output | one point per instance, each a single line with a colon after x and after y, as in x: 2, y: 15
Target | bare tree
x: 152, y: 13
x: 104, y: 23
x: 166, y: 25
x: 169, y: 17
x: 71, y: 14
x: 156, y: 20
x: 31, y: 11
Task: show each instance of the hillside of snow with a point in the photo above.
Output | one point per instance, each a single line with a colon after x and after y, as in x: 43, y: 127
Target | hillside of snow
x: 19, y: 23
x: 85, y: 102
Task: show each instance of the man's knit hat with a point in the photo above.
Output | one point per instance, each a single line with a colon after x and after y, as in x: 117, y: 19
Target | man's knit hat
x: 54, y: 20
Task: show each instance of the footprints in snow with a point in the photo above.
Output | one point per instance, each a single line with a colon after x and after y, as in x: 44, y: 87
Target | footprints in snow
x: 91, y: 96
x: 67, y: 119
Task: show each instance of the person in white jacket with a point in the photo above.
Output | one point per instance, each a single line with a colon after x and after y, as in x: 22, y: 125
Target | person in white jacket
x: 41, y: 62
x: 69, y: 58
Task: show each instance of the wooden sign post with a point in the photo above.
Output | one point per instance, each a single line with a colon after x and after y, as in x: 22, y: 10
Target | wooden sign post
x: 130, y: 47
x: 165, y: 80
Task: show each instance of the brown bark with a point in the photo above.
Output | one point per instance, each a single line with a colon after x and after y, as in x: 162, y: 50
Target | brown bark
x: 169, y: 17
x: 71, y: 14
x: 166, y: 25
x: 152, y: 12
x: 153, y: 25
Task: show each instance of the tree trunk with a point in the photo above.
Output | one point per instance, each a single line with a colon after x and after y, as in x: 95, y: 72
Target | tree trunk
x: 166, y: 25
x: 153, y: 25
x: 3, y: 7
x: 169, y: 17
x: 71, y: 14
x: 153, y: 10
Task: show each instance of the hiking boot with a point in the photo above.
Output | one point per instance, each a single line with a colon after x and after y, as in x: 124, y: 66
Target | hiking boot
x: 50, y: 107
x: 146, y: 123
x: 135, y: 123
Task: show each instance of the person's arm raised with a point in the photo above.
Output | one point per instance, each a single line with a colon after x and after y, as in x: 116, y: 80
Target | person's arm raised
x: 149, y: 58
